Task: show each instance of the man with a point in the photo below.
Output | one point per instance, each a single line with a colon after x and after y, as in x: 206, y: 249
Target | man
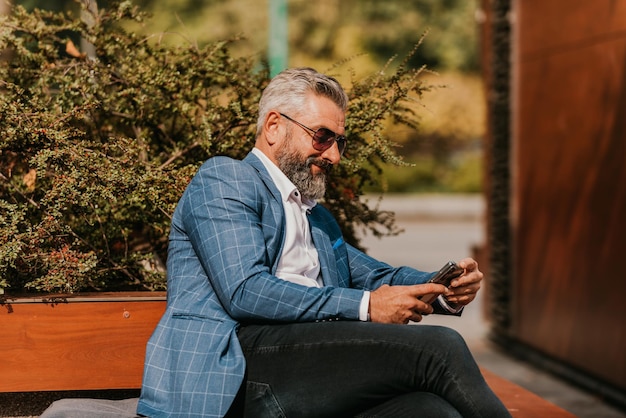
x: 271, y: 314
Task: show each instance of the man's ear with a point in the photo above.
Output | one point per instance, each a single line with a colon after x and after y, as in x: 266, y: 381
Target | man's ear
x: 273, y: 128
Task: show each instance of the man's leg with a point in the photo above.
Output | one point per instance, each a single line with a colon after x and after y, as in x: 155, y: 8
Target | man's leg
x: 346, y: 368
x: 430, y: 406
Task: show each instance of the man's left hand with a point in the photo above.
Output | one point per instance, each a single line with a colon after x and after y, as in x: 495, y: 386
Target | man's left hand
x: 464, y: 288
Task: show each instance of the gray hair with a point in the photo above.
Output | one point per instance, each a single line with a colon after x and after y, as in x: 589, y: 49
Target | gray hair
x: 288, y: 90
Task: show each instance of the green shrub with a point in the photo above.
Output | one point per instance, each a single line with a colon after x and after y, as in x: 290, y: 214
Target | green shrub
x: 95, y: 151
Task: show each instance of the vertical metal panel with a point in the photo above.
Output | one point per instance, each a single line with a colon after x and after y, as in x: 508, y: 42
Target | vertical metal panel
x: 568, y: 183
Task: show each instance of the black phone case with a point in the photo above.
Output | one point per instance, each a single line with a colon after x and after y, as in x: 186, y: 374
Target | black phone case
x: 444, y: 276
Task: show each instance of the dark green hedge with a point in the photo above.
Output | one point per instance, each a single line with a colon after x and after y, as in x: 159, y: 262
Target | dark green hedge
x: 95, y: 151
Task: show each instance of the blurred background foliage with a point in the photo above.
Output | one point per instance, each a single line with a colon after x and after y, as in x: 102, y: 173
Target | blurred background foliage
x: 445, y: 154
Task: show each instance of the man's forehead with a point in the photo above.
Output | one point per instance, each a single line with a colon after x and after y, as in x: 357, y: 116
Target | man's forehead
x: 322, y: 110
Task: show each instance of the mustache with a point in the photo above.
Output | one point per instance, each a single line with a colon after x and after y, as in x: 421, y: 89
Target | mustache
x: 321, y: 163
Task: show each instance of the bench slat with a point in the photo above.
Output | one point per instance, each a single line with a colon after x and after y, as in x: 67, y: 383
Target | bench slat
x: 521, y: 402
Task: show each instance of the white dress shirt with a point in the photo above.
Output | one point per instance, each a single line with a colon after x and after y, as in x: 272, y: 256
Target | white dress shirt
x: 299, y: 261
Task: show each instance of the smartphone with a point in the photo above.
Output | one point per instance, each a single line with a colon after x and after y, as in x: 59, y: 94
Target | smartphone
x: 444, y: 276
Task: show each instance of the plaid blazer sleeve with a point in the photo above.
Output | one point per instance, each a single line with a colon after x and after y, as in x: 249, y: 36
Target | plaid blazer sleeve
x: 350, y: 267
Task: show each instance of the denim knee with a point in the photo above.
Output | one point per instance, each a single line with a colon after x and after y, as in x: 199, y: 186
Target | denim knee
x: 261, y: 402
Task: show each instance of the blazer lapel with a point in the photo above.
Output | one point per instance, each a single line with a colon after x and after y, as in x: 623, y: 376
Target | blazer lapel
x: 254, y: 161
x: 325, y: 252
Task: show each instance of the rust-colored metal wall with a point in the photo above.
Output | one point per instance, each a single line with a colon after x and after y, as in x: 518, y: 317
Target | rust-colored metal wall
x: 566, y: 206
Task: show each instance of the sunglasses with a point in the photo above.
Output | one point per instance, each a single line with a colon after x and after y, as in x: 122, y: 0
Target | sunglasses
x: 323, y: 138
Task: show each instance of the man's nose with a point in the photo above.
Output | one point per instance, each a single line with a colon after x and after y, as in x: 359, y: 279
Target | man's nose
x: 332, y: 154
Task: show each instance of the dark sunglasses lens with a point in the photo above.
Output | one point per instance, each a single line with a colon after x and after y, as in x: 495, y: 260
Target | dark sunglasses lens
x: 324, y: 138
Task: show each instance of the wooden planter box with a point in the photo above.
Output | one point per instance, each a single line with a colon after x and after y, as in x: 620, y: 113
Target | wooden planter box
x: 86, y: 341
x: 97, y: 342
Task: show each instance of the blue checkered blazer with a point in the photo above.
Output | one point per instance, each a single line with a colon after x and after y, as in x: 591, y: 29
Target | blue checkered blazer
x: 226, y: 238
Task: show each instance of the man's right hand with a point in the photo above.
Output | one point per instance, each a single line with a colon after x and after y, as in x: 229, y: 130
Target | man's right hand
x: 401, y: 304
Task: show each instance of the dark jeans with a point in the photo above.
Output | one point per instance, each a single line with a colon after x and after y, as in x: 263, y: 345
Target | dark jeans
x: 362, y: 369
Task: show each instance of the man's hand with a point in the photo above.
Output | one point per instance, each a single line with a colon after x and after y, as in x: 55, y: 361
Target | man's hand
x: 463, y: 289
x: 400, y: 304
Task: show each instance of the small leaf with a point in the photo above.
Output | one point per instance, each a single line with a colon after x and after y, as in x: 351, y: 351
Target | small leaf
x: 71, y: 50
x: 29, y: 179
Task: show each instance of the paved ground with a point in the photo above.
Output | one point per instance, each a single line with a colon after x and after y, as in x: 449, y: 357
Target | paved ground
x: 442, y: 228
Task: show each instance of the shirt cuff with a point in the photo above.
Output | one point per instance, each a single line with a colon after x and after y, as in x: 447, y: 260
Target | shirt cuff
x: 364, y: 307
x: 449, y: 306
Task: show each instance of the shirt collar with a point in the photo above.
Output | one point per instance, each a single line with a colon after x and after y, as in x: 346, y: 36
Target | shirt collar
x: 286, y: 188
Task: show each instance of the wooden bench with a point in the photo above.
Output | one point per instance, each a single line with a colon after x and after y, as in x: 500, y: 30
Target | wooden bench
x: 97, y: 342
